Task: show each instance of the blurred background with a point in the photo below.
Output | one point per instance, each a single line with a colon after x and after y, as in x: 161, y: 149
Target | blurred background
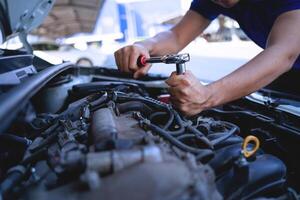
x: 88, y: 32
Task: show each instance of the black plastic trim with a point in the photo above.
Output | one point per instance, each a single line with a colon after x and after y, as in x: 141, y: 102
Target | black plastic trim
x: 14, y: 100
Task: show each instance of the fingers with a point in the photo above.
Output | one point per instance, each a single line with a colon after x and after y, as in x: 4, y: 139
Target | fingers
x: 178, y: 94
x: 184, y: 94
x: 118, y: 59
x: 122, y: 59
x: 142, y: 71
x: 132, y: 62
x: 126, y: 60
x: 174, y: 79
x: 185, y: 79
x: 184, y: 108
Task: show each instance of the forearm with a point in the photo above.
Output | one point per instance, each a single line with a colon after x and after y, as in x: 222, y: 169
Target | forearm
x: 163, y: 43
x: 281, y: 52
x: 174, y: 40
x: 257, y: 73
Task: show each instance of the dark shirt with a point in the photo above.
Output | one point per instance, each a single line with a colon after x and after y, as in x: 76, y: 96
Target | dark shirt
x: 255, y: 17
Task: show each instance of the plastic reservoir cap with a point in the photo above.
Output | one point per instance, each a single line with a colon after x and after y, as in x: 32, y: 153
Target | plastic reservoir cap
x: 253, y: 140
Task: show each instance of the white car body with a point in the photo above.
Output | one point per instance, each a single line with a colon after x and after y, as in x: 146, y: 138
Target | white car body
x: 56, y: 54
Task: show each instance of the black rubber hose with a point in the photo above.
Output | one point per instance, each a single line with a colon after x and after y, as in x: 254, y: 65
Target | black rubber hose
x: 161, y: 106
x: 34, y: 157
x: 50, y: 139
x: 153, y: 115
x: 99, y: 101
x: 205, y: 155
x: 49, y: 130
x: 177, y: 132
x: 158, y: 105
x: 170, y: 120
x: 134, y: 106
x: 13, y: 178
x: 225, y: 137
x: 231, y: 125
x: 88, y: 88
x: 200, y: 135
x: 228, y: 135
x: 180, y: 123
x: 19, y: 140
x: 167, y: 136
x: 187, y: 136
x: 168, y: 123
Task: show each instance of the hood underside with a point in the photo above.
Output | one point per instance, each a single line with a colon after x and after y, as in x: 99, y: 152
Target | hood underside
x: 69, y: 17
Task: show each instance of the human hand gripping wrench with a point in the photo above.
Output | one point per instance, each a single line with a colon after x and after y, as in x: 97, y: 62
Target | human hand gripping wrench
x: 178, y: 59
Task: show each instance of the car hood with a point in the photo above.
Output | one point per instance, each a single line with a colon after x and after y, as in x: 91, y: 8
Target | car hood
x: 22, y: 16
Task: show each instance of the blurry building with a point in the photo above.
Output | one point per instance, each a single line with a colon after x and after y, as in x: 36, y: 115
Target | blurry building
x: 138, y: 18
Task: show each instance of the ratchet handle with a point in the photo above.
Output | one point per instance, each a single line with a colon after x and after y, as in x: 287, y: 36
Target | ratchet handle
x: 168, y: 59
x: 141, y: 61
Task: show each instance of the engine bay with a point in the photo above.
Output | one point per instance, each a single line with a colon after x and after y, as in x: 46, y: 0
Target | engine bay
x: 95, y: 133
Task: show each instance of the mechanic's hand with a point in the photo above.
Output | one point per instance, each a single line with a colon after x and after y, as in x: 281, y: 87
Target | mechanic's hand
x: 126, y: 59
x: 187, y: 93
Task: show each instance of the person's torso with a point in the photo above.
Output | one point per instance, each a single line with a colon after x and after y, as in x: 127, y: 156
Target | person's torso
x: 256, y: 18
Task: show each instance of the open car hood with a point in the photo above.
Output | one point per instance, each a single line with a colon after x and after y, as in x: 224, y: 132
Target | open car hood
x: 22, y: 16
x: 70, y: 17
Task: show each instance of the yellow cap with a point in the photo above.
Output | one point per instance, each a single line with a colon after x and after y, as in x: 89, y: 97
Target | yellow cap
x: 250, y: 139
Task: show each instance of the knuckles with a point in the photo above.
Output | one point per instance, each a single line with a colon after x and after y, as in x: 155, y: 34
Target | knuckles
x: 126, y: 60
x: 133, y: 50
x: 186, y: 81
x: 185, y: 91
x: 142, y: 73
x: 129, y: 50
x: 184, y: 109
x: 173, y: 74
x: 182, y: 80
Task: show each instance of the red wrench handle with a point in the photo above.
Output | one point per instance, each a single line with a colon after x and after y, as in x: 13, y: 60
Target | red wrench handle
x: 142, y: 61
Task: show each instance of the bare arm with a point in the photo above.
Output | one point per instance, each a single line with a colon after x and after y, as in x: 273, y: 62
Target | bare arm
x: 174, y: 40
x: 167, y: 42
x: 282, y: 50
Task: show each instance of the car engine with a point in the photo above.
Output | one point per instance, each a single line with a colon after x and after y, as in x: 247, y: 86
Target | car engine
x: 97, y: 134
